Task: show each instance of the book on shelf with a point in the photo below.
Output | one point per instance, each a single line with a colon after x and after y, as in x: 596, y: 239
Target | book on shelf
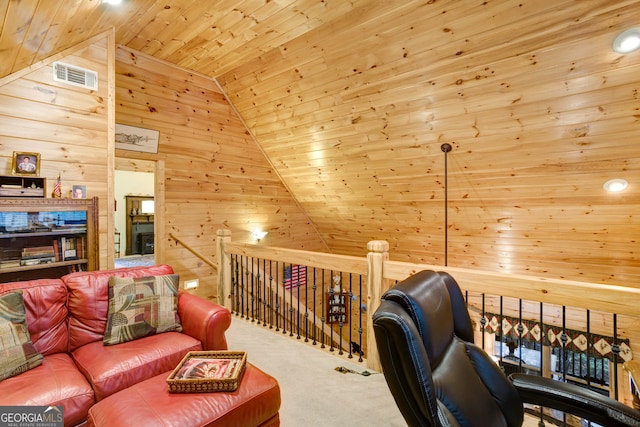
x: 56, y: 250
x: 37, y: 261
x: 10, y: 263
x: 70, y: 248
x: 38, y: 252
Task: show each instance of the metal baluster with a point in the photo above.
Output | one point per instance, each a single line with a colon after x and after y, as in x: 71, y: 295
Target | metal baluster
x: 502, y: 337
x: 520, y: 331
x: 315, y: 287
x: 284, y: 300
x: 291, y: 303
x: 270, y: 305
x: 331, y: 292
x: 589, y: 349
x: 264, y: 293
x: 306, y: 307
x: 564, y: 338
x: 277, y: 305
x: 243, y: 287
x: 483, y: 323
x: 234, y: 283
x: 349, y: 313
x: 360, y: 321
x: 341, y: 316
x: 324, y: 313
x: 542, y: 335
x: 615, y: 350
x: 252, y: 295
x: 297, y: 284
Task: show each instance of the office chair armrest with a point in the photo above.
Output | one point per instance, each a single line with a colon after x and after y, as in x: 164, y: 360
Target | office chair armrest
x: 575, y: 400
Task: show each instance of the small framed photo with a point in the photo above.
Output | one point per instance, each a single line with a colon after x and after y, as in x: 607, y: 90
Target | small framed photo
x: 25, y: 164
x: 79, y: 192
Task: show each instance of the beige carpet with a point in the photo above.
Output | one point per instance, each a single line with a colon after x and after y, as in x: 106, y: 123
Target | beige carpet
x: 314, y: 394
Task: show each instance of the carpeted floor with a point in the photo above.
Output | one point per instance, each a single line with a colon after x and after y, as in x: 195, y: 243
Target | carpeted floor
x: 134, y: 261
x: 313, y: 393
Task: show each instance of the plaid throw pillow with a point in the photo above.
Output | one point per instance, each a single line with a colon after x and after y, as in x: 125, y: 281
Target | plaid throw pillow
x: 17, y: 353
x: 143, y: 306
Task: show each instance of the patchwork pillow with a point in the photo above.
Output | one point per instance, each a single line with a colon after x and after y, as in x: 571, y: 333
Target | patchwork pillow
x: 141, y: 306
x: 17, y: 353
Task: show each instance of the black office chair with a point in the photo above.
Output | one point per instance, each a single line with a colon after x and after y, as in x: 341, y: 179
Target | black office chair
x: 439, y: 378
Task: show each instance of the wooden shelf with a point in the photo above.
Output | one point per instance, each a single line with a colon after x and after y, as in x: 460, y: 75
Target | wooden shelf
x: 50, y: 231
x: 43, y: 266
x: 17, y: 186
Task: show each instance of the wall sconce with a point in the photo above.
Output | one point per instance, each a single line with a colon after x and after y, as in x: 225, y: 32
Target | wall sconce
x: 257, y: 234
x: 615, y: 185
x: 627, y: 41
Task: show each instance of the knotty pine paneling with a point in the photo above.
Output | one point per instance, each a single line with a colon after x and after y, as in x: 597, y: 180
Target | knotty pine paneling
x: 216, y: 176
x: 67, y: 125
x: 538, y: 109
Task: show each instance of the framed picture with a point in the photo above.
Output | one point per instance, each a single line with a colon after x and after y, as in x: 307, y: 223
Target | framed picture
x: 136, y: 139
x: 79, y: 192
x: 25, y: 164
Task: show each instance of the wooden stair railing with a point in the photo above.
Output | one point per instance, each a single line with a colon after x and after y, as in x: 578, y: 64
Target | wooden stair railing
x: 194, y: 251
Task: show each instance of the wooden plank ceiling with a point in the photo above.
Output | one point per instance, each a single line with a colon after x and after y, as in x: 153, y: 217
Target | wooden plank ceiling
x: 351, y: 100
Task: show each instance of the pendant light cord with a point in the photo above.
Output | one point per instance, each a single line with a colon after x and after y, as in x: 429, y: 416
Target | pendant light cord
x: 446, y: 148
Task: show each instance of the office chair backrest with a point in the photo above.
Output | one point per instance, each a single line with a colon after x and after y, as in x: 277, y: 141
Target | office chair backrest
x: 437, y: 376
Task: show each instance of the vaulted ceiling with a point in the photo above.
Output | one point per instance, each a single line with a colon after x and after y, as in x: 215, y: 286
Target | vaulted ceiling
x: 352, y: 101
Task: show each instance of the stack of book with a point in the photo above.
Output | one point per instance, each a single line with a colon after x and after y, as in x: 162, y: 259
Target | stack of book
x: 9, y: 263
x: 38, y: 255
x: 69, y: 248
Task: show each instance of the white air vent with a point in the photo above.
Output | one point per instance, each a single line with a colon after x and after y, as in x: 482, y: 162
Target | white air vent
x: 75, y: 75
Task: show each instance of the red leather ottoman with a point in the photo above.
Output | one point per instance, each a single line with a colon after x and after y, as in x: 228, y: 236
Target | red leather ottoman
x: 256, y: 402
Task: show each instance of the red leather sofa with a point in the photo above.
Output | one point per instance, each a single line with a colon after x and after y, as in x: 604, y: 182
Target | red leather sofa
x: 66, y: 319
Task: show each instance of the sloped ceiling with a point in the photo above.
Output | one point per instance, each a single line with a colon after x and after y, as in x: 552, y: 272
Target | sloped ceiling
x: 353, y: 100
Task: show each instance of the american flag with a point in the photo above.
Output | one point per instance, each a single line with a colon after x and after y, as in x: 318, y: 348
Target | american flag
x: 57, y: 189
x: 295, y: 275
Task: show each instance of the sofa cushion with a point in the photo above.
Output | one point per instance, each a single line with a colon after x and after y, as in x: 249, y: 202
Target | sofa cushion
x: 17, y: 353
x: 113, y: 368
x: 88, y: 300
x: 141, y: 306
x: 56, y: 382
x: 45, y: 302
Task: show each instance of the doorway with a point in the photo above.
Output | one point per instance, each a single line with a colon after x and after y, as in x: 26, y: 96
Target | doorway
x: 134, y: 181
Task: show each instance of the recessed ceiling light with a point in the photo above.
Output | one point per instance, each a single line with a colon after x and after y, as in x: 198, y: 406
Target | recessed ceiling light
x: 627, y: 41
x: 615, y: 185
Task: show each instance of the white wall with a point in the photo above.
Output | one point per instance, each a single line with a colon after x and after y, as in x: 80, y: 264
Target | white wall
x: 129, y: 183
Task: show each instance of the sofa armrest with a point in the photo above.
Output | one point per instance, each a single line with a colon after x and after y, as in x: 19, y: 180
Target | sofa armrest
x: 204, y: 320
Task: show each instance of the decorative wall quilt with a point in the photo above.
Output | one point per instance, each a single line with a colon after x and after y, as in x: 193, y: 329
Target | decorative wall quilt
x: 551, y: 335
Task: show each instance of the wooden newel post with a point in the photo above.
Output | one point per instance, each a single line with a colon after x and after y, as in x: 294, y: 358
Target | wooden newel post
x: 224, y: 268
x: 376, y: 257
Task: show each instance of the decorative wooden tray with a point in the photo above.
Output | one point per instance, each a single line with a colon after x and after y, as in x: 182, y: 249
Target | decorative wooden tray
x: 208, y: 371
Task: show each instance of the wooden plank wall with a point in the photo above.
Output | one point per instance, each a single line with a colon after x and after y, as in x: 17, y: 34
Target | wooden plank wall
x: 216, y: 176
x: 67, y: 125
x: 539, y: 116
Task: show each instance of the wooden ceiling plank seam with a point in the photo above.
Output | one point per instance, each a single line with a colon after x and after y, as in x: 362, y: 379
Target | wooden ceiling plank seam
x: 14, y: 32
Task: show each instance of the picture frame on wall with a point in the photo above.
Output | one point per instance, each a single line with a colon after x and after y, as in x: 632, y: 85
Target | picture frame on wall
x: 25, y: 164
x: 134, y: 138
x: 79, y: 192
